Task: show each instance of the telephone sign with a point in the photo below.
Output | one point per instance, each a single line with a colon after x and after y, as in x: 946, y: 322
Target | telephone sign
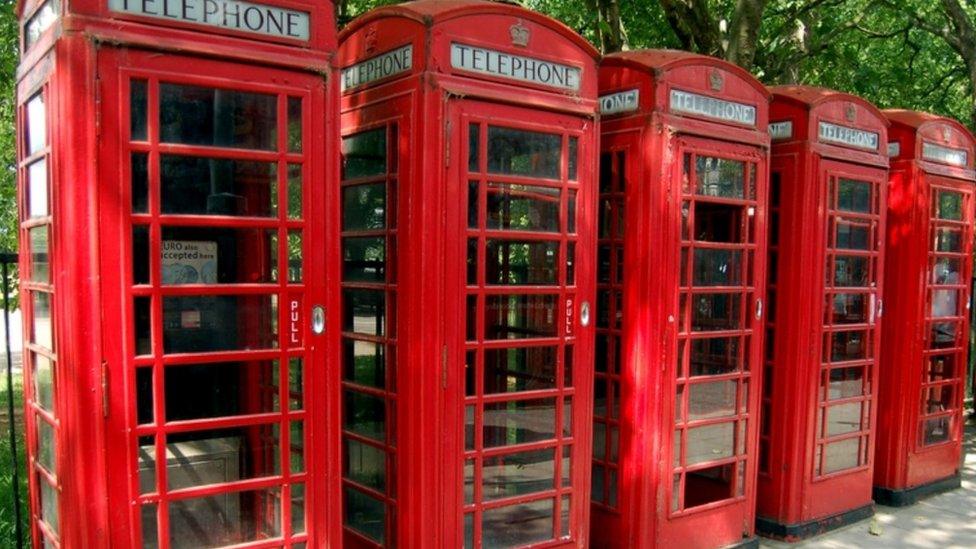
x: 235, y: 15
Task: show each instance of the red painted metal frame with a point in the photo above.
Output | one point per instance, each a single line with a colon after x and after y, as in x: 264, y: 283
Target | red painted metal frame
x: 78, y: 63
x: 904, y: 462
x: 794, y: 493
x: 651, y: 141
x: 432, y: 106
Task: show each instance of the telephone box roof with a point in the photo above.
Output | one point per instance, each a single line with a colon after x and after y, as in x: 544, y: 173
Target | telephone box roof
x: 813, y: 96
x: 434, y: 12
x: 663, y: 60
x: 918, y: 119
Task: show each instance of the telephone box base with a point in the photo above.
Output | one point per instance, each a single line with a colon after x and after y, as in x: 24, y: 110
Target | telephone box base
x: 796, y: 532
x: 748, y: 543
x: 910, y: 496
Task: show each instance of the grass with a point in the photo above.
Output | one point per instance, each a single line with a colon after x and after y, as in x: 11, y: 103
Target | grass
x: 7, y: 463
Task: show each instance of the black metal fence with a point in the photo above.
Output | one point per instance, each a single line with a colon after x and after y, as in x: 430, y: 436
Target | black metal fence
x: 8, y: 262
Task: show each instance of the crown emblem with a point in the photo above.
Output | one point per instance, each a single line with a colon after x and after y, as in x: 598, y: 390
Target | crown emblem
x: 946, y: 134
x: 851, y: 112
x: 520, y: 34
x: 715, y: 80
x: 369, y: 40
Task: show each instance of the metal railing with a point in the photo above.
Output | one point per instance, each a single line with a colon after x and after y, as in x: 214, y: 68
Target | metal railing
x: 6, y: 260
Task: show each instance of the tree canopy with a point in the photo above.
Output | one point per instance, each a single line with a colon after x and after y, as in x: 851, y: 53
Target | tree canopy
x: 914, y: 54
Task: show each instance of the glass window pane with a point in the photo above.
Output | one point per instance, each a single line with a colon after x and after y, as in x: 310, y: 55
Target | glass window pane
x: 939, y: 398
x: 364, y: 154
x: 851, y: 235
x: 941, y: 368
x: 364, y: 312
x: 364, y: 363
x: 141, y: 313
x: 365, y: 464
x: 49, y: 504
x: 365, y: 514
x: 138, y: 105
x: 717, y: 267
x: 845, y: 382
x: 364, y: 207
x: 521, y: 152
x: 850, y: 271
x: 295, y: 253
x: 943, y: 335
x: 47, y: 445
x: 297, y: 509
x: 520, y: 316
x: 712, y: 312
x: 708, y: 485
x: 949, y: 205
x: 709, y: 442
x: 202, y: 391
x: 36, y: 125
x: 946, y: 270
x: 841, y: 455
x: 474, y: 139
x: 519, y: 369
x: 518, y: 525
x: 936, y: 430
x: 720, y: 177
x: 848, y: 346
x: 140, y: 182
x: 196, y: 324
x: 224, y: 519
x: 948, y: 240
x: 43, y: 377
x: 223, y: 118
x: 849, y: 309
x: 945, y: 303
x: 711, y: 400
x: 42, y: 323
x: 365, y: 415
x: 214, y: 186
x: 39, y: 245
x: 715, y: 356
x: 573, y: 157
x: 521, y: 263
x: 854, y: 196
x: 364, y: 259
x: 37, y: 205
x: 844, y: 418
x: 211, y: 255
x: 718, y: 223
x: 518, y: 474
x: 294, y: 191
x: 518, y: 422
x: 295, y: 124
x: 218, y: 456
x: 523, y: 207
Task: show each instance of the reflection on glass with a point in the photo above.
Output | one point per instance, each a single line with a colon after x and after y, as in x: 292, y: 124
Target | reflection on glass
x: 521, y: 263
x: 946, y: 270
x: 941, y: 368
x: 848, y: 346
x: 364, y: 154
x: 297, y: 510
x: 364, y: 311
x: 474, y: 147
x: 936, y: 430
x: 37, y: 205
x: 364, y: 363
x: 717, y: 267
x: 841, y: 455
x: 720, y: 177
x: 214, y: 186
x: 711, y: 400
x: 519, y: 369
x: 295, y: 124
x: 948, y: 205
x: 39, y: 268
x: 42, y: 322
x: 599, y: 440
x: 520, y: 316
x: 196, y: 324
x: 365, y: 464
x: 518, y: 525
x: 844, y: 418
x: 364, y: 259
x: 224, y: 519
x: 712, y: 312
x: 845, y: 382
x: 943, y: 335
x: 47, y: 446
x: 203, y: 391
x: 364, y: 207
x: 518, y: 474
x: 848, y: 309
x: 518, y: 422
x: 715, y: 356
x: 523, y: 207
x: 944, y: 303
x: 854, y: 196
x: 521, y: 152
x: 852, y: 236
x: 364, y: 415
x: 138, y: 109
x: 574, y: 157
x: 948, y: 240
x: 49, y: 504
x: 294, y: 191
x: 938, y: 399
x: 223, y: 118
x: 850, y: 271
x: 364, y: 514
x: 43, y: 378
x: 140, y: 182
x: 36, y: 125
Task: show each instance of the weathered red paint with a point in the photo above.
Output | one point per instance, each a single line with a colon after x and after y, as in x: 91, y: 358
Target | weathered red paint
x: 641, y: 322
x: 906, y: 463
x: 798, y: 498
x: 82, y: 64
x: 428, y: 111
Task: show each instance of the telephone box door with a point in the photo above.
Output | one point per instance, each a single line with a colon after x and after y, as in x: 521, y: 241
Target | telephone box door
x: 721, y: 271
x: 215, y: 207
x: 525, y: 270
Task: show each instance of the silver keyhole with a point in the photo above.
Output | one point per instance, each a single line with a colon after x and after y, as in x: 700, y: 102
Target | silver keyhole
x: 585, y: 314
x: 318, y: 319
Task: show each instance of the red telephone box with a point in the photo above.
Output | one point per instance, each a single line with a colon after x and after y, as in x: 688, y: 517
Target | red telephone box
x: 679, y: 301
x: 926, y: 331
x: 468, y: 193
x: 828, y: 174
x: 173, y: 161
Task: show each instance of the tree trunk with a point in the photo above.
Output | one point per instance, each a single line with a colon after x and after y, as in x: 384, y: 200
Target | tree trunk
x: 744, y: 32
x: 692, y: 22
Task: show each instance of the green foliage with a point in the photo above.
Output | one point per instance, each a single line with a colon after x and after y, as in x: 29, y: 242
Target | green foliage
x: 7, y: 464
x: 9, y: 45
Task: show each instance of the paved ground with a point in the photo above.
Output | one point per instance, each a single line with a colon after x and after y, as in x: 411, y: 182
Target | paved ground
x: 944, y: 521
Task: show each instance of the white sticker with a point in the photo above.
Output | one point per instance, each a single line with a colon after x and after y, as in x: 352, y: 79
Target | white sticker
x: 515, y: 67
x: 946, y: 155
x: 376, y: 68
x: 236, y: 15
x: 624, y: 101
x: 781, y: 130
x: 852, y: 137
x: 894, y: 149
x: 692, y: 103
x: 189, y: 262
